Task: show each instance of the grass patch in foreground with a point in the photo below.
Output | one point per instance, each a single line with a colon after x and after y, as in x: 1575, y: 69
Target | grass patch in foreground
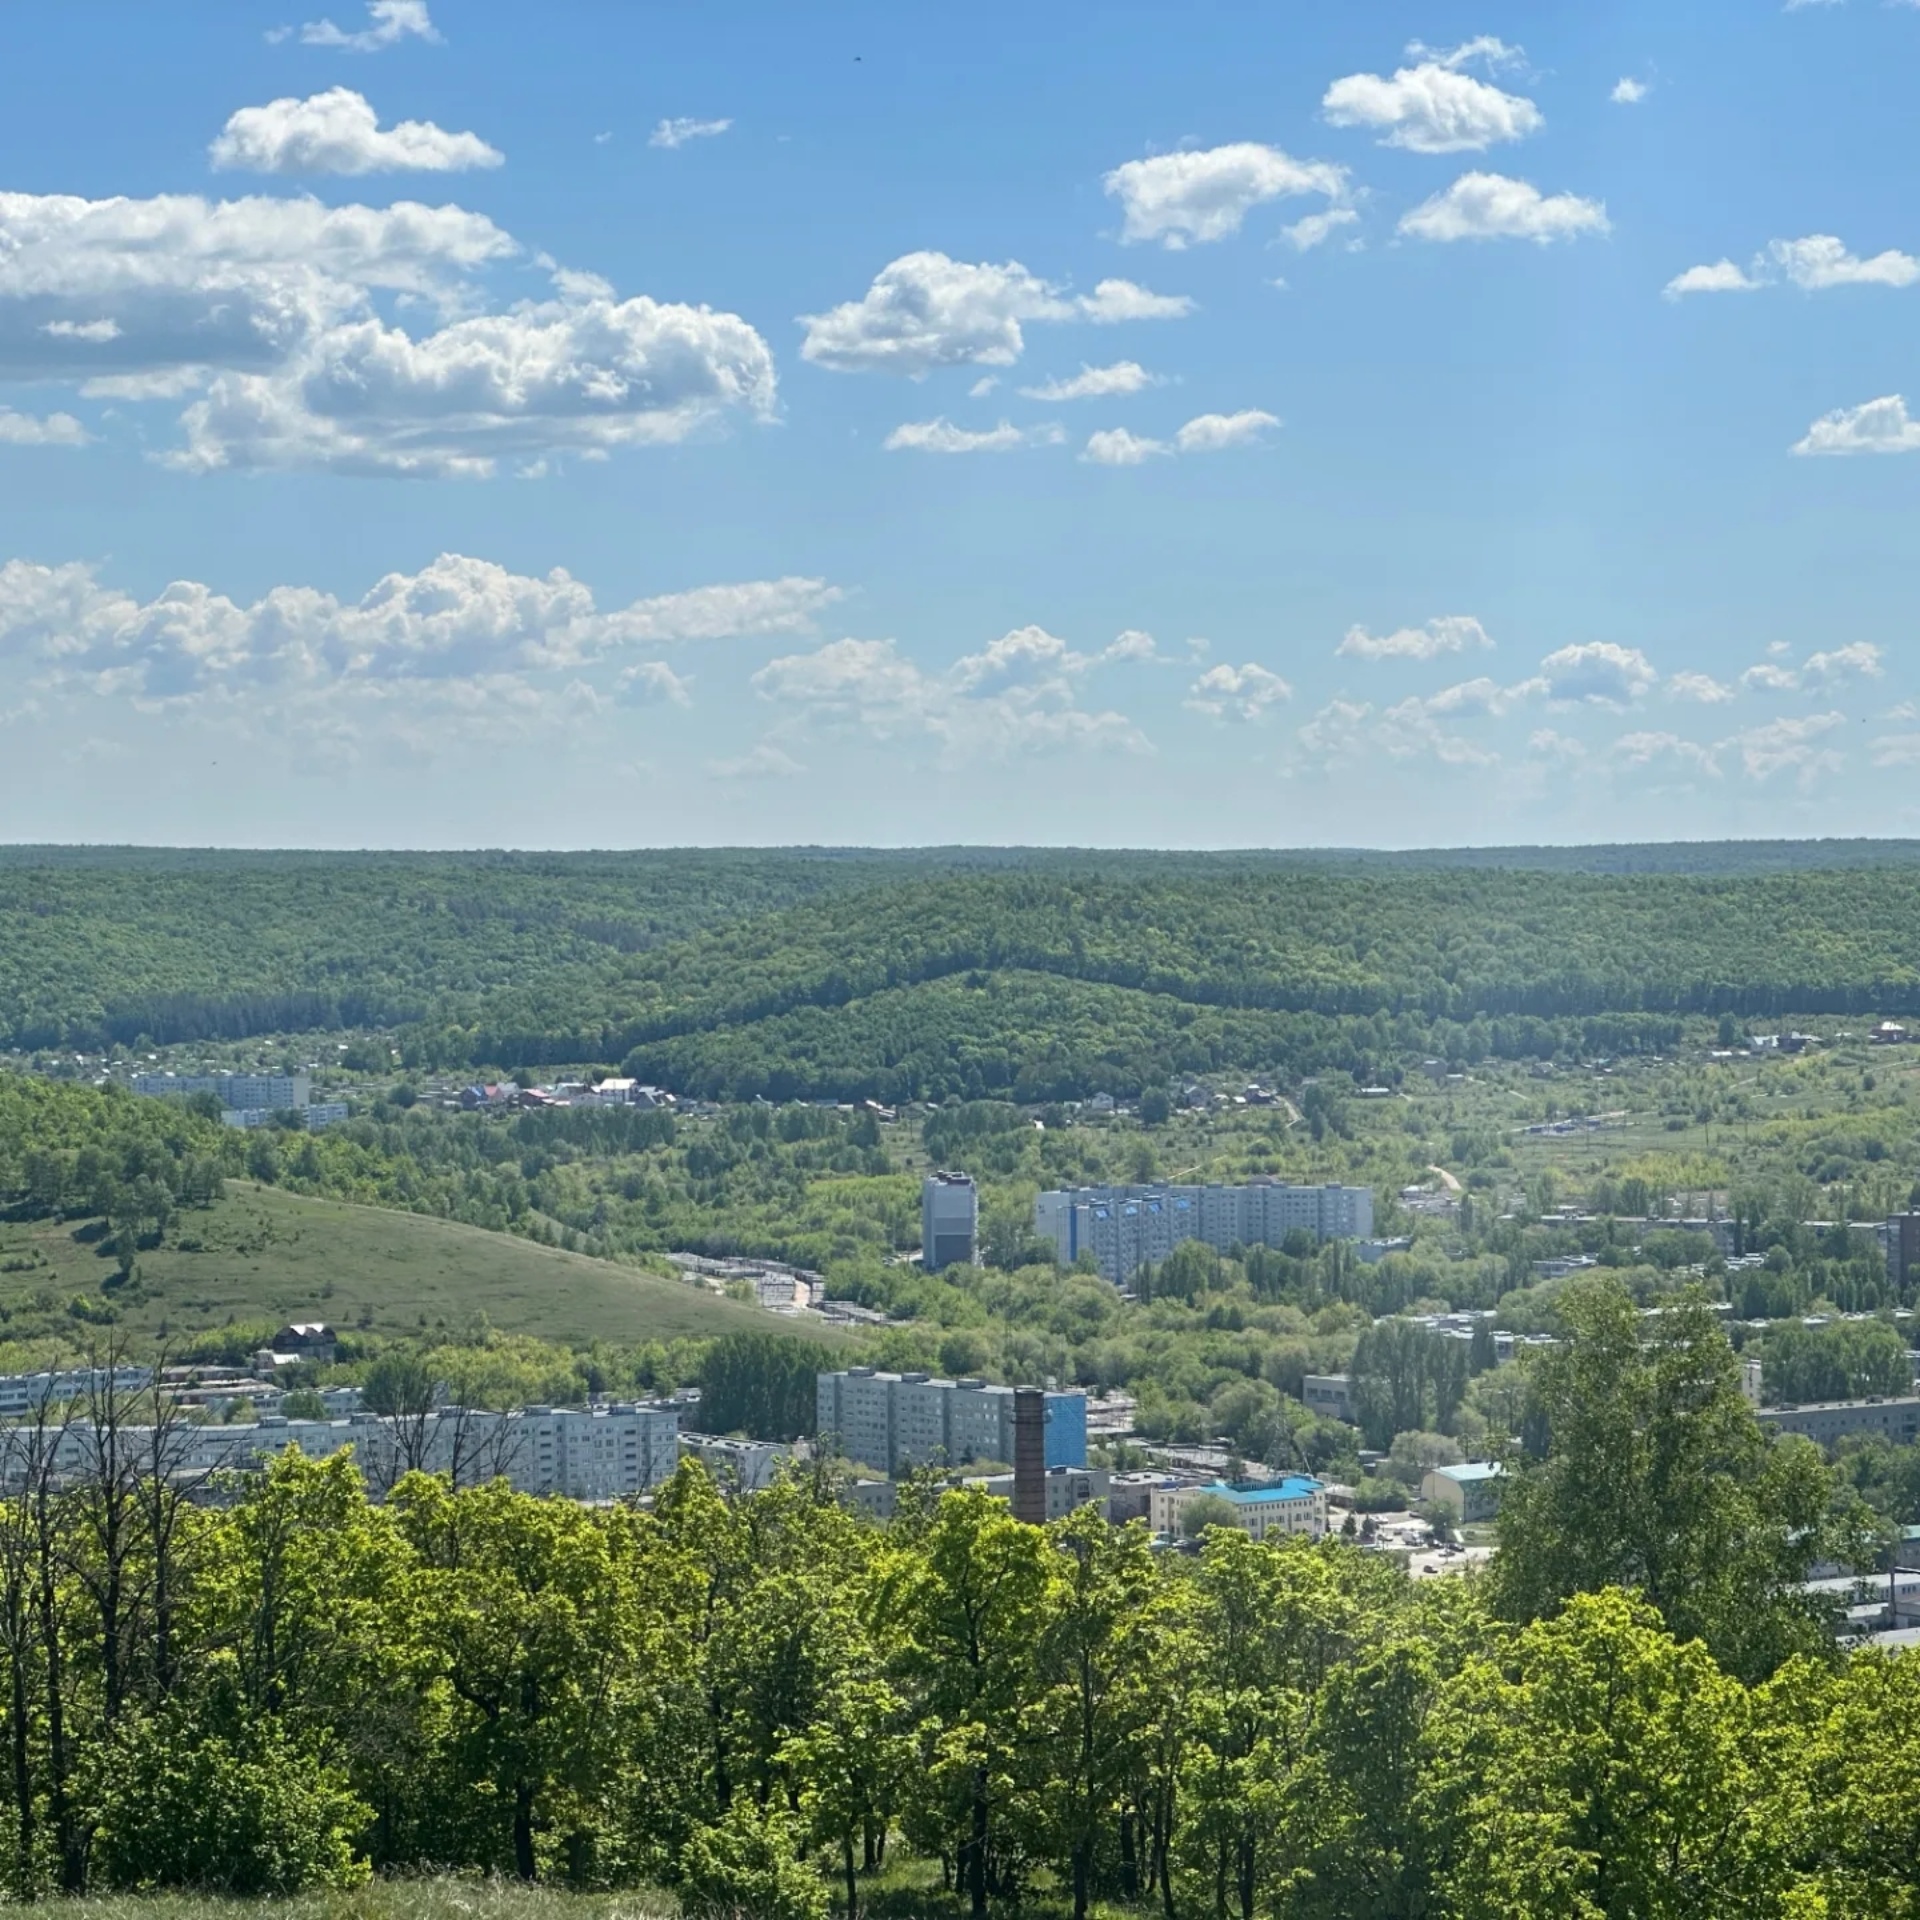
x: 440, y: 1899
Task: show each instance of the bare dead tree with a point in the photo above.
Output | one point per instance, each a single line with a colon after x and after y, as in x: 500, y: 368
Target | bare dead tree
x: 166, y: 1489
x: 27, y: 1463
x: 482, y: 1445
x: 50, y: 1546
x: 107, y: 1519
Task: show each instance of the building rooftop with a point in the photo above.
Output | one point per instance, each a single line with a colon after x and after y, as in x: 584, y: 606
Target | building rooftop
x: 1296, y: 1486
x: 1836, y: 1406
x: 1469, y: 1472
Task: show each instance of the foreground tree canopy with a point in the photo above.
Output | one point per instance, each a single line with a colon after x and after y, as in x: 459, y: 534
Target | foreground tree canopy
x: 760, y: 1702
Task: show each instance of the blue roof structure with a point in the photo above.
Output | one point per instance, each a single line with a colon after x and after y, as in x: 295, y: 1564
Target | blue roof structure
x: 1296, y: 1486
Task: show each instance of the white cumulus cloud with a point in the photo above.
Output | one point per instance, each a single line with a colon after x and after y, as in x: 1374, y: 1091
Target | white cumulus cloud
x: 1116, y: 447
x: 1876, y: 426
x: 1492, y: 206
x: 1239, y: 693
x: 1113, y: 302
x: 1789, y: 746
x: 1450, y: 633
x: 1858, y: 660
x: 676, y: 133
x: 1820, y: 261
x: 267, y: 309
x: 942, y: 436
x: 97, y: 331
x: 1723, y: 276
x: 1094, y: 383
x: 571, y: 375
x: 652, y: 683
x: 1417, y: 726
x: 1663, y: 752
x: 1628, y: 92
x: 339, y: 132
x: 457, y: 619
x: 925, y: 310
x: 1814, y: 263
x: 1212, y: 432
x: 1182, y: 198
x: 1316, y: 228
x: 393, y: 21
x: 1702, y: 687
x: 1600, y: 672
x: 1487, y: 47
x: 1018, y: 693
x: 50, y: 430
x: 124, y: 285
x: 1431, y: 108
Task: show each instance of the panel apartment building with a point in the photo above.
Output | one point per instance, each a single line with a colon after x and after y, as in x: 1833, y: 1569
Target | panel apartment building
x: 1126, y: 1228
x: 898, y: 1421
x: 243, y: 1092
x: 582, y: 1453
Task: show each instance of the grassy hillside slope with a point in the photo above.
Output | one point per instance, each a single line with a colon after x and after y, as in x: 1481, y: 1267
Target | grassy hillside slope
x: 261, y: 1254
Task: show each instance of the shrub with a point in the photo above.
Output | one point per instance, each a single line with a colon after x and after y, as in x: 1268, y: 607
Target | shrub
x: 251, y: 1816
x: 747, y: 1865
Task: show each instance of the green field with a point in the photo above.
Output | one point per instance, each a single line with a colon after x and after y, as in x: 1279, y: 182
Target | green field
x: 262, y: 1254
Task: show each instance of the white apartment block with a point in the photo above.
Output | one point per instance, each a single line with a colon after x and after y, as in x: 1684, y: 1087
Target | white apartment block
x: 582, y: 1453
x: 241, y: 1091
x: 23, y: 1393
x: 1126, y: 1228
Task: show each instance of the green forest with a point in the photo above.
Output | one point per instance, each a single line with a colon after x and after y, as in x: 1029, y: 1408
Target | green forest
x: 768, y: 1705
x: 936, y: 975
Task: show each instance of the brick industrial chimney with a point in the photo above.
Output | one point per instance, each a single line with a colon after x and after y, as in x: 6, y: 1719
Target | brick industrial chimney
x: 1030, y: 1456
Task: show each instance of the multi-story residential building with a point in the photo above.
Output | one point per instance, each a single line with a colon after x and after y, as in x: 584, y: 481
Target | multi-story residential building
x: 583, y: 1453
x: 316, y: 1116
x: 1296, y: 1505
x: 1127, y: 1228
x: 749, y: 1465
x: 241, y: 1091
x: 949, y: 1221
x: 1829, y: 1421
x: 898, y: 1421
x: 24, y: 1393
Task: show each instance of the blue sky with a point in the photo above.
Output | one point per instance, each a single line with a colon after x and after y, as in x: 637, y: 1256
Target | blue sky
x: 447, y: 423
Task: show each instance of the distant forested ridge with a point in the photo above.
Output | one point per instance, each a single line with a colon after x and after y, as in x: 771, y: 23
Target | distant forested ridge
x: 952, y: 972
